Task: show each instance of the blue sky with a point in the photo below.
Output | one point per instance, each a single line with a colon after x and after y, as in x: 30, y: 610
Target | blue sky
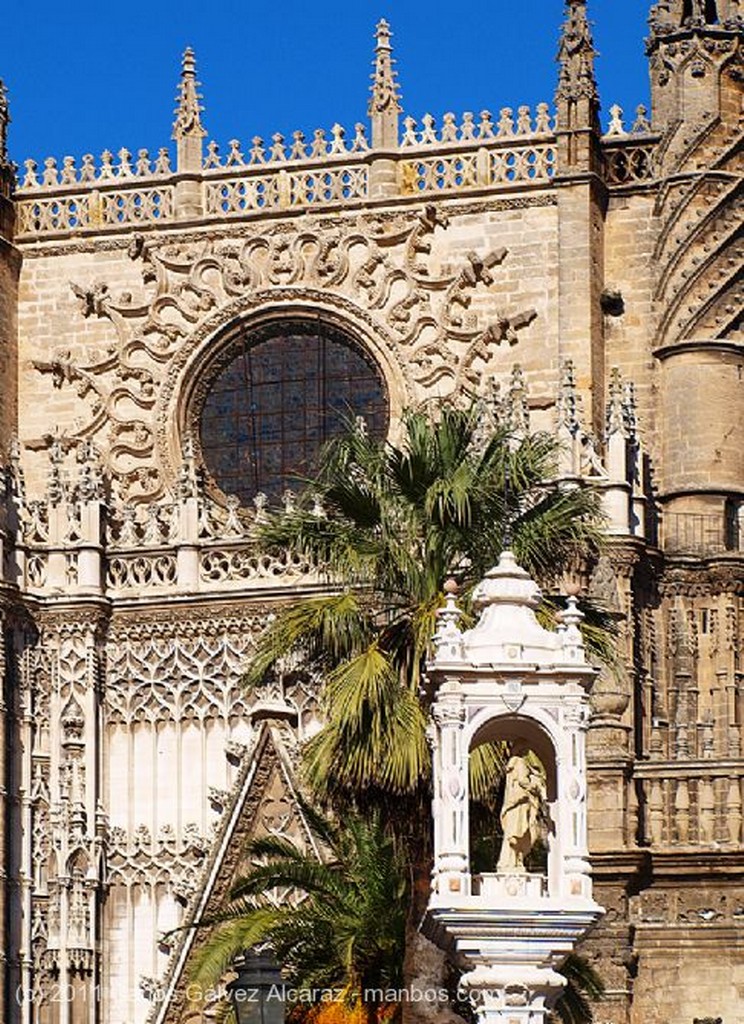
x: 92, y: 76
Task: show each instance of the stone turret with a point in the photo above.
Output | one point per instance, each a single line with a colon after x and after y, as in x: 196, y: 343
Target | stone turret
x: 695, y: 53
x: 696, y: 67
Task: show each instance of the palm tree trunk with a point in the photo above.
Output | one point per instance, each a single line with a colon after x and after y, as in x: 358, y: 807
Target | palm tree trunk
x: 425, y: 965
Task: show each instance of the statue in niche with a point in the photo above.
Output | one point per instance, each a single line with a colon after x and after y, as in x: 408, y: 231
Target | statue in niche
x: 524, y: 795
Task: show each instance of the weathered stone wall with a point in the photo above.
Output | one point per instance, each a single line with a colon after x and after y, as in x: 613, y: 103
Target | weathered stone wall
x: 426, y: 311
x: 629, y: 328
x: 9, y: 268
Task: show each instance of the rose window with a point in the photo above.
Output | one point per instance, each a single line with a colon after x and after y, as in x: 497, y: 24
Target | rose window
x: 278, y: 393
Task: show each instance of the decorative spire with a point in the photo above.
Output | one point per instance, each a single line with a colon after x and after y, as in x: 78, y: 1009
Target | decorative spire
x: 384, y: 104
x: 188, y: 111
x: 516, y: 407
x: 4, y: 122
x: 188, y: 130
x: 621, y: 412
x: 577, y: 97
x: 447, y: 639
x: 567, y: 404
x: 615, y: 418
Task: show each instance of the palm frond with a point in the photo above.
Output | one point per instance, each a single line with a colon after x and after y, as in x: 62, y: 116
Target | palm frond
x: 304, y: 874
x: 320, y: 629
x: 226, y: 942
x: 374, y: 733
x: 348, y: 931
x: 582, y: 985
x: 486, y: 764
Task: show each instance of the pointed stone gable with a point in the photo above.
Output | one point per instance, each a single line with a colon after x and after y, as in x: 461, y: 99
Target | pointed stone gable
x: 264, y: 802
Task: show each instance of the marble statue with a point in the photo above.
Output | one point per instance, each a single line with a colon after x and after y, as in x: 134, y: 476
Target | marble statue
x: 524, y: 793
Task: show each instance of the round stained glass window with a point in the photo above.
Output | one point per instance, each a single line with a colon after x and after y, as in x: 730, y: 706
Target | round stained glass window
x: 280, y: 392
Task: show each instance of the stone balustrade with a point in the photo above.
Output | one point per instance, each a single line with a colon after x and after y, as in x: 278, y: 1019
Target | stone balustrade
x: 693, y: 803
x: 515, y: 149
x: 329, y: 169
x: 140, y: 549
x: 629, y: 152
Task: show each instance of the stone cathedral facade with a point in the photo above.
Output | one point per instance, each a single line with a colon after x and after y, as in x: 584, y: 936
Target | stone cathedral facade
x: 162, y: 320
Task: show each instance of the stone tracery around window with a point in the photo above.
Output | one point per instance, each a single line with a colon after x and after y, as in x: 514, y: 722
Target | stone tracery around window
x: 274, y: 395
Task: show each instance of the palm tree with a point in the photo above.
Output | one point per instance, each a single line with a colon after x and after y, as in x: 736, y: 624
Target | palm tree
x: 389, y: 524
x: 344, y: 932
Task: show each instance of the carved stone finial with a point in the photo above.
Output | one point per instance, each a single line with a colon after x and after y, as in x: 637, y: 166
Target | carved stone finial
x: 448, y: 638
x: 577, y: 96
x: 516, y: 407
x: 188, y: 111
x: 188, y: 130
x: 567, y: 409
x: 615, y: 418
x: 384, y: 104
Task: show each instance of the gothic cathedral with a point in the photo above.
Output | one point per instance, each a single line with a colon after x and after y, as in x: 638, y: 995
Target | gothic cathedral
x: 576, y: 278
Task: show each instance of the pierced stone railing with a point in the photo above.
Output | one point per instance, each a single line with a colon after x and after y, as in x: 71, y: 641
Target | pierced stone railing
x: 533, y: 164
x: 67, y: 212
x: 330, y: 169
x: 284, y: 189
x: 629, y: 162
x: 517, y: 148
x: 221, y: 566
x: 141, y: 571
x: 629, y: 154
x: 238, y: 564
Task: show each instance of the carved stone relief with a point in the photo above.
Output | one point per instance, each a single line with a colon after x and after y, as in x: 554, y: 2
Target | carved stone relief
x: 382, y: 275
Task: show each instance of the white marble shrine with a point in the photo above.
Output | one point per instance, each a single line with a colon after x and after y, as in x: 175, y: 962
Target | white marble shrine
x: 508, y: 679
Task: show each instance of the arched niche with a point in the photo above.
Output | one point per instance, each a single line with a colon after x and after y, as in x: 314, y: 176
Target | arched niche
x: 520, y: 732
x: 511, y: 728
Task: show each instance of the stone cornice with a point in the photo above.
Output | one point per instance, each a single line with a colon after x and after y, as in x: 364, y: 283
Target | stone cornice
x: 711, y: 345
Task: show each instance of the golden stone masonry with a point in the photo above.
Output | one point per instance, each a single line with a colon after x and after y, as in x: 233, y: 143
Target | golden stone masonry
x: 583, y: 281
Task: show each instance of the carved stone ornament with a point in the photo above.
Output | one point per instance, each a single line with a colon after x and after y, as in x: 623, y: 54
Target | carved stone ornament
x: 375, y: 275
